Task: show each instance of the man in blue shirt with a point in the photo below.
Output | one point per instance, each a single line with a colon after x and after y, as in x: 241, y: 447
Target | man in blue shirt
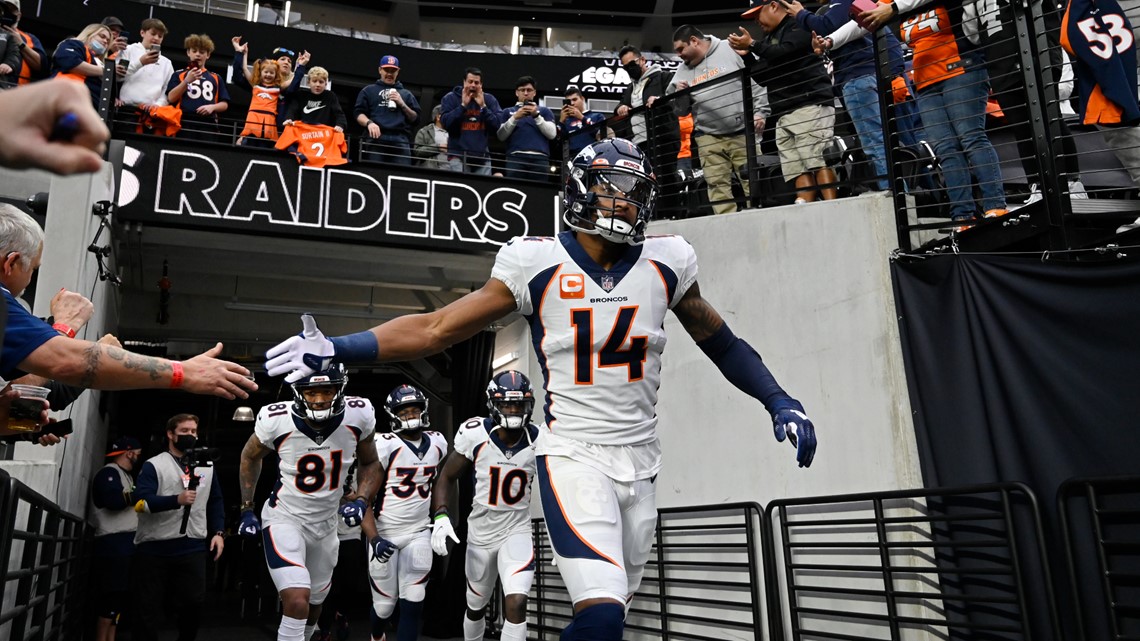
x: 468, y: 114
x: 527, y: 129
x: 387, y: 111
x: 579, y: 126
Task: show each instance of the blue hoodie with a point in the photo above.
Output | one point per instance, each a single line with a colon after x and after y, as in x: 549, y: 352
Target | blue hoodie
x: 856, y: 58
x: 468, y: 126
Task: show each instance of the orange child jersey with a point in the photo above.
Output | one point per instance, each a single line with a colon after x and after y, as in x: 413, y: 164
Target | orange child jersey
x: 936, y: 55
x: 317, y: 145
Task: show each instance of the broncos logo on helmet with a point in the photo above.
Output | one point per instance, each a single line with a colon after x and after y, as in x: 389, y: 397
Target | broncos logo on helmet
x: 400, y: 398
x: 618, y: 171
x: 510, y: 390
x: 320, y: 411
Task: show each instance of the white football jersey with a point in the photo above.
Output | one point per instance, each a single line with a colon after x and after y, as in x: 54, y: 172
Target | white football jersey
x: 598, y: 334
x: 503, y: 477
x: 403, y: 504
x: 312, y: 464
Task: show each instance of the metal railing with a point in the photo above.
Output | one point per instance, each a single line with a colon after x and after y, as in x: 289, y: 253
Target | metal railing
x: 953, y: 563
x: 703, y: 580
x: 47, y: 550
x: 1100, y: 526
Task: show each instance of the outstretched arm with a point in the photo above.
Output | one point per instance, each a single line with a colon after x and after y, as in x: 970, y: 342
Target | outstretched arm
x: 402, y: 339
x: 744, y: 368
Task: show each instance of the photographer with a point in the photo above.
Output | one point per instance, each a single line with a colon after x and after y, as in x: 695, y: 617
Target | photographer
x: 179, y: 503
x: 527, y: 129
x: 387, y: 111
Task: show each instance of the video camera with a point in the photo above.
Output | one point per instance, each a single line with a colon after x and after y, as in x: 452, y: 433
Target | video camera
x: 192, y: 458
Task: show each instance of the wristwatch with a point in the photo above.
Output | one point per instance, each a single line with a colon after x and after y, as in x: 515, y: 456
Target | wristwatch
x: 220, y: 533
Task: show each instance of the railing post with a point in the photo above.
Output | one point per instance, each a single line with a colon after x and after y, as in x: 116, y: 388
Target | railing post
x: 753, y: 199
x: 888, y: 579
x: 891, y: 139
x: 661, y: 589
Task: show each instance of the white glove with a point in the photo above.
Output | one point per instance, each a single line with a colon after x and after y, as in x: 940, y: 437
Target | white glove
x: 441, y: 531
x: 301, y: 355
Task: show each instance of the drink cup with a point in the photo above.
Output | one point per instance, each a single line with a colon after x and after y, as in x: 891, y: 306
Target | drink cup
x: 27, y: 410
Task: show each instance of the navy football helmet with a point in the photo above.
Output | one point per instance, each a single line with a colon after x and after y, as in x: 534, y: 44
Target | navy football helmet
x: 616, y: 170
x: 510, y: 398
x: 335, y: 377
x: 400, y: 398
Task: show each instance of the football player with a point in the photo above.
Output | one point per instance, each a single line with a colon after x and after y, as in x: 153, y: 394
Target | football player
x: 317, y: 438
x: 500, y: 450
x: 596, y: 298
x: 396, y: 529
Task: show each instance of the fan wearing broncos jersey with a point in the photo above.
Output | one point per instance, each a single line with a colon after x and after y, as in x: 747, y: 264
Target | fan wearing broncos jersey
x: 596, y: 299
x: 317, y: 438
x: 399, y: 540
x: 500, y: 451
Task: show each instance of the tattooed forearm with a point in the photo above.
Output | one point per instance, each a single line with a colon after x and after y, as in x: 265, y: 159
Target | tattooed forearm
x: 90, y: 364
x: 697, y: 315
x: 156, y: 368
x: 250, y: 468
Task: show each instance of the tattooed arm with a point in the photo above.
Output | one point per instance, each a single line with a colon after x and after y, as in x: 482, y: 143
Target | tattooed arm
x: 368, y: 475
x: 697, y: 315
x: 250, y: 468
x: 86, y: 364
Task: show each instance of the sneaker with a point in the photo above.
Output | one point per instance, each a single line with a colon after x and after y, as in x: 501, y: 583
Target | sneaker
x: 1077, y: 190
x: 996, y: 213
x: 1034, y: 194
x: 800, y: 201
x: 1129, y: 227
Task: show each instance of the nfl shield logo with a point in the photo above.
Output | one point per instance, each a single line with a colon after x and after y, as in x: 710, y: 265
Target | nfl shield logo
x: 607, y: 282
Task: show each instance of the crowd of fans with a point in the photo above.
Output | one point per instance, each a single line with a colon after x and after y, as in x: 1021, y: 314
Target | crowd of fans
x: 810, y: 76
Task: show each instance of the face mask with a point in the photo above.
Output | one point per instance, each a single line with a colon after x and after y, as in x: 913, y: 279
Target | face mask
x: 185, y: 442
x: 634, y: 70
x: 97, y: 47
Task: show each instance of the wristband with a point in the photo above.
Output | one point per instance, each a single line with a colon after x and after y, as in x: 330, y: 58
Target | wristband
x: 440, y: 513
x: 247, y: 506
x: 176, y: 374
x: 64, y: 329
x: 360, y: 347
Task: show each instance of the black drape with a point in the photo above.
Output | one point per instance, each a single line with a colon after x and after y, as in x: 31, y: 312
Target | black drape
x: 1023, y: 370
x: 446, y: 599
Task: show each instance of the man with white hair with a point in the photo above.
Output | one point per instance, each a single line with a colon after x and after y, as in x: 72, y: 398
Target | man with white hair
x: 35, y: 347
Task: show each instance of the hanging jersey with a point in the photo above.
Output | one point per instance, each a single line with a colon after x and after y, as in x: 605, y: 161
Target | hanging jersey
x: 503, y: 477
x: 312, y: 464
x: 937, y: 51
x: 207, y: 90
x: 403, y: 503
x: 316, y: 145
x: 261, y: 119
x: 598, y: 334
x: 1099, y: 37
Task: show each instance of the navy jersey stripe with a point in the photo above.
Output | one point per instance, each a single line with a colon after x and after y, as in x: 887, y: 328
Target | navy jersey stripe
x: 670, y: 278
x: 593, y: 269
x: 272, y: 557
x: 538, y: 286
x: 563, y: 538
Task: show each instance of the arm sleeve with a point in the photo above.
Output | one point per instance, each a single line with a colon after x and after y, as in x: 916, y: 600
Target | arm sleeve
x: 67, y: 56
x: 424, y: 146
x: 760, y: 100
x: 25, y: 334
x: 362, y: 108
x: 546, y: 124
x: 12, y: 53
x: 292, y: 107
x: 146, y: 491
x: 836, y: 16
x: 223, y: 93
x: 744, y: 368
x: 465, y: 439
x: 107, y: 491
x: 215, y: 508
x: 451, y: 113
x: 239, y: 72
x: 414, y: 104
x: 509, y: 270
x: 295, y: 84
x: 338, y: 113
x: 506, y: 124
x: 491, y: 111
x: 845, y: 34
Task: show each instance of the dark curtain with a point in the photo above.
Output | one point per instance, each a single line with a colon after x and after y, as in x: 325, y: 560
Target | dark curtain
x: 446, y: 599
x: 1024, y: 370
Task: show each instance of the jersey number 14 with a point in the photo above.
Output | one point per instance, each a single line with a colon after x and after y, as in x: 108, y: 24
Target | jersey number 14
x: 614, y: 352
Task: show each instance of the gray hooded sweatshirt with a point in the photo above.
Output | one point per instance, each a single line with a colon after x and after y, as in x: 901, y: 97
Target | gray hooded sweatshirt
x: 719, y: 108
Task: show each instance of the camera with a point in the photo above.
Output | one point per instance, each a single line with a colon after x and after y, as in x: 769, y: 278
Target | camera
x: 199, y: 457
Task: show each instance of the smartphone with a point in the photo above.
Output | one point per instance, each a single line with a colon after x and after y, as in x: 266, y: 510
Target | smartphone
x: 858, y: 7
x: 125, y: 35
x: 156, y: 47
x: 59, y: 428
x: 7, y: 20
x: 193, y: 64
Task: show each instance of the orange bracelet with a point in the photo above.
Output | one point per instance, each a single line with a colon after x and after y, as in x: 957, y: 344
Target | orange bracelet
x: 66, y: 330
x: 176, y: 375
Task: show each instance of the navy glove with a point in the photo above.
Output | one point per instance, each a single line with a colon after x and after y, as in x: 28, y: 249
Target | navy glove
x: 382, y: 548
x: 249, y: 525
x: 798, y: 429
x: 353, y: 512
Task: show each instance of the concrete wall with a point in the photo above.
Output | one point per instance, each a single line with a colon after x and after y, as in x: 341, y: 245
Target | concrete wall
x: 809, y: 288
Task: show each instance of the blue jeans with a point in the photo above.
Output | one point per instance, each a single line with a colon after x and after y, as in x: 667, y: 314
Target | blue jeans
x: 470, y: 164
x: 528, y: 166
x: 393, y: 149
x: 954, y: 119
x: 861, y: 96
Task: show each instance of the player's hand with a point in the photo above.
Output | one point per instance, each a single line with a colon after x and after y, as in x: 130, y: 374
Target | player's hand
x: 441, y: 531
x: 353, y: 512
x: 249, y: 524
x: 186, y: 497
x: 798, y: 429
x: 301, y: 355
x: 382, y: 548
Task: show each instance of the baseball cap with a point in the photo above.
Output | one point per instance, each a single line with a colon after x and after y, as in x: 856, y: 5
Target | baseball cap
x: 113, y: 23
x: 124, y: 444
x: 14, y: 3
x: 754, y: 6
x: 390, y: 61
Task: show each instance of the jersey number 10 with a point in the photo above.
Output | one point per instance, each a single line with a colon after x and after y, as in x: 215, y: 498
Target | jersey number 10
x: 512, y: 492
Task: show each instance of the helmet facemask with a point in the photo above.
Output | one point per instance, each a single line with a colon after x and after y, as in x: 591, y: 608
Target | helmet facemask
x: 328, y: 406
x: 512, y: 412
x: 408, y: 424
x: 600, y: 191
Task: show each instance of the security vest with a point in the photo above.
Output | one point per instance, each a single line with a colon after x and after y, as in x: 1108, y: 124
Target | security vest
x: 164, y: 526
x: 113, y: 521
x: 25, y: 69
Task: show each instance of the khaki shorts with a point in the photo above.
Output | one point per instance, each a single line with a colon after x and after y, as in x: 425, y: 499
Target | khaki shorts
x: 801, y: 136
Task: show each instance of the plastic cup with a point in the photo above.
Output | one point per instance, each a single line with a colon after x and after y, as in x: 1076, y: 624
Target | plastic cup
x: 27, y: 411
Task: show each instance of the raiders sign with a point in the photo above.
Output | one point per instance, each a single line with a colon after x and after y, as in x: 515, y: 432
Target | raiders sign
x: 244, y: 191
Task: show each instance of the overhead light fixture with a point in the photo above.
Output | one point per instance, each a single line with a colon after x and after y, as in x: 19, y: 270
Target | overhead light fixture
x: 250, y: 10
x: 244, y: 414
x: 288, y: 8
x: 504, y: 360
x: 549, y: 31
x: 369, y: 314
x: 516, y: 39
